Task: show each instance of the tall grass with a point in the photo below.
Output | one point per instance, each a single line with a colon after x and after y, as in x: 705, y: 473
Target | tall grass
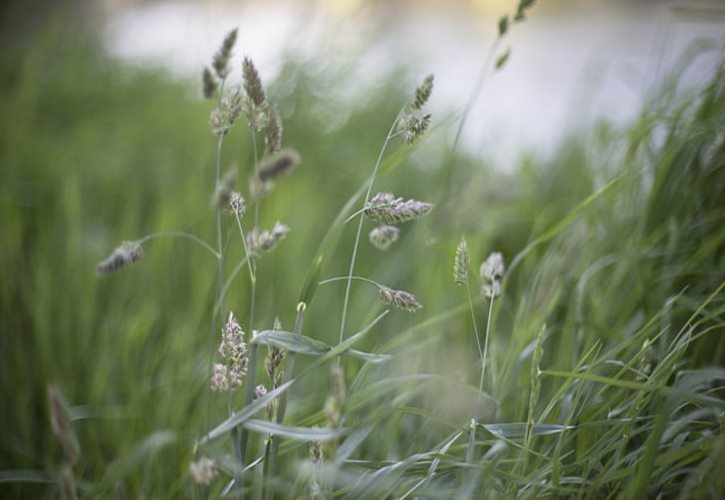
x: 605, y: 360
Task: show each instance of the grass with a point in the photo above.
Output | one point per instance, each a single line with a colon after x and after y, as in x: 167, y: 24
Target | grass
x: 605, y: 361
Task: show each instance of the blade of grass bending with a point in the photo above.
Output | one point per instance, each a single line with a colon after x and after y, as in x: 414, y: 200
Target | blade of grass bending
x: 433, y: 466
x: 298, y: 433
x: 626, y: 384
x: 301, y: 344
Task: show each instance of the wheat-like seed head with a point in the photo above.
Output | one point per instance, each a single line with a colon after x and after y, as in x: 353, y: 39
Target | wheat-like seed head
x: 461, y: 263
x: 400, y: 299
x: 220, y: 63
x: 124, y: 255
x: 387, y: 208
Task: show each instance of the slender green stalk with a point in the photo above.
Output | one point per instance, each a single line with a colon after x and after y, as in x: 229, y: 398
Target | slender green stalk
x: 252, y: 367
x: 246, y: 250
x: 485, y: 342
x: 180, y: 234
x: 360, y: 224
x: 475, y: 331
x: 359, y: 278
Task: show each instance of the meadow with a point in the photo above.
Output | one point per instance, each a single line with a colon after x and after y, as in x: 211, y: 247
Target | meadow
x: 605, y: 353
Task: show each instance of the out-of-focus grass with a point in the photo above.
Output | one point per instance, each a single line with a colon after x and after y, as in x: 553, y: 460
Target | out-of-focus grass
x: 620, y: 241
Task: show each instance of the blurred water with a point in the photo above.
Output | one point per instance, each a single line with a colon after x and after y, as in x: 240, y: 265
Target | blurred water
x: 571, y: 61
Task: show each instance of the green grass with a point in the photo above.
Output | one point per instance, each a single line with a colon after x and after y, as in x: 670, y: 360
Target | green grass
x: 617, y: 245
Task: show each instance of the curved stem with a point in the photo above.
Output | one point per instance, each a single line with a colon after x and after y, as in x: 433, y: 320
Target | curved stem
x: 475, y: 330
x: 485, y: 342
x: 179, y: 234
x: 359, y: 227
x: 359, y: 278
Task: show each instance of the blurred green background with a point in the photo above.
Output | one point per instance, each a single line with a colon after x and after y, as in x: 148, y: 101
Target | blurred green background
x: 94, y: 151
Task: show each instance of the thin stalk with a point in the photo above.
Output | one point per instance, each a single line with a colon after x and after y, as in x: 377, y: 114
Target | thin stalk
x: 179, y: 234
x: 272, y: 450
x: 252, y: 367
x: 359, y: 227
x: 485, y: 342
x: 246, y: 250
x: 475, y: 330
x: 359, y: 278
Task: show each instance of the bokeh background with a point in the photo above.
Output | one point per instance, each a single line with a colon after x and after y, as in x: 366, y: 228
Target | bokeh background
x: 104, y: 137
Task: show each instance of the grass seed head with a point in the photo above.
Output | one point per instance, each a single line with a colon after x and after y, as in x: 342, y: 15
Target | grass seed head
x: 503, y: 25
x: 223, y: 118
x: 208, y: 84
x: 219, y: 380
x: 220, y: 63
x: 401, y: 299
x: 385, y: 207
x: 382, y: 237
x: 278, y: 165
x: 413, y: 126
x: 461, y: 263
x: 491, y: 273
x: 422, y: 93
x: 265, y: 241
x: 124, y: 255
x: 203, y: 471
x: 237, y: 204
x: 61, y: 424
x: 273, y: 134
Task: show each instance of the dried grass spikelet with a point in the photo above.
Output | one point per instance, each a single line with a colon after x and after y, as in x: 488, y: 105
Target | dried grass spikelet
x: 265, y: 241
x: 387, y: 208
x: 273, y: 134
x: 382, y: 237
x: 203, y: 471
x: 277, y: 165
x: 401, y: 299
x: 255, y: 102
x: 61, y: 424
x: 220, y: 63
x: 208, y: 84
x: 124, y: 255
x: 461, y: 263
